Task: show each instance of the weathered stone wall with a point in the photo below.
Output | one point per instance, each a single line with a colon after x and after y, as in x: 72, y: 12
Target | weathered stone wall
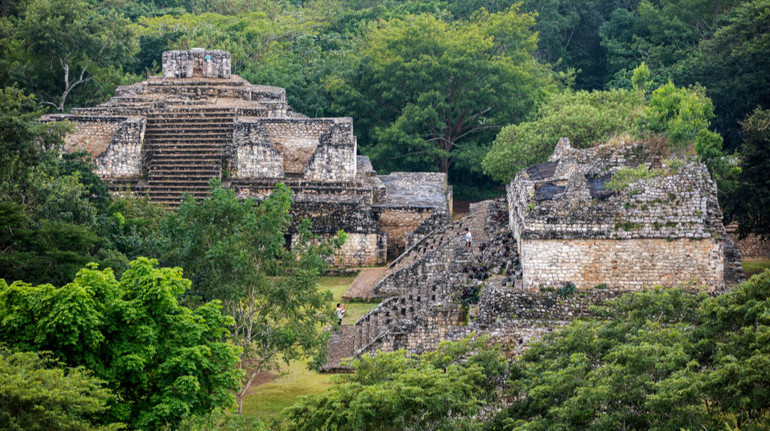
x: 498, y: 303
x: 359, y: 249
x: 668, y: 206
x: 362, y: 249
x: 196, y: 62
x: 321, y: 150
x: 115, y: 143
x: 253, y: 155
x: 751, y: 246
x: 621, y: 264
x: 399, y: 222
x: 665, y: 228
x: 123, y: 157
x: 435, y: 222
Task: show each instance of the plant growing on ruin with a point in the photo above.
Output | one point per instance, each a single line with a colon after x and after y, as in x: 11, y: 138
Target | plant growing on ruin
x: 567, y: 290
x: 470, y: 294
x: 585, y: 117
x: 626, y: 175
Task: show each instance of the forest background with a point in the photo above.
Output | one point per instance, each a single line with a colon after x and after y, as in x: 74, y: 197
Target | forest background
x: 477, y: 89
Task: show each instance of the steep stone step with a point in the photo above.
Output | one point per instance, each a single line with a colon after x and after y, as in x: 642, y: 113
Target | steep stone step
x: 214, y: 140
x: 164, y: 121
x: 187, y: 128
x: 185, y: 148
x: 341, y: 346
x: 203, y: 113
x: 188, y: 154
x: 175, y: 167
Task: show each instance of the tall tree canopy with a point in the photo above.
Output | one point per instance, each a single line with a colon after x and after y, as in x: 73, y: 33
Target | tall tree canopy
x: 752, y: 196
x: 429, y: 95
x: 164, y: 361
x: 67, y: 44
x: 236, y: 251
x: 440, y: 390
x: 585, y: 117
x: 37, y: 393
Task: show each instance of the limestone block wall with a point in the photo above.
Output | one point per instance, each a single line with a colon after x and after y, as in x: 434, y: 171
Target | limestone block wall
x: 253, y: 155
x: 329, y: 215
x: 435, y: 221
x: 400, y: 221
x: 321, y: 150
x: 196, y: 62
x: 622, y: 264
x: 362, y: 249
x: 416, y: 322
x: 497, y: 303
x: 115, y: 143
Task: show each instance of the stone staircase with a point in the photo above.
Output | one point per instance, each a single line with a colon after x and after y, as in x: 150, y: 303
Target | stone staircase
x: 184, y: 149
x: 428, y: 277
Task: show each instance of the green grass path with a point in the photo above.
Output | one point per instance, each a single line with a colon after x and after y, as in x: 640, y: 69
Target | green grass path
x: 267, y: 400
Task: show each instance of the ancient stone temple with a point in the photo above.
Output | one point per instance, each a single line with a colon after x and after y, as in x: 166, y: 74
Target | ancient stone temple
x: 171, y: 134
x: 561, y: 241
x: 663, y: 229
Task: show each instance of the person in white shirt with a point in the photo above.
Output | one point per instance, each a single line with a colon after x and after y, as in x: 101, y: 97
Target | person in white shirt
x: 468, y: 238
x: 340, y: 312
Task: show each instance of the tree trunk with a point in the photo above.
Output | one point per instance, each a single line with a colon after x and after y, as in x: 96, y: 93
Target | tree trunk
x: 239, y: 396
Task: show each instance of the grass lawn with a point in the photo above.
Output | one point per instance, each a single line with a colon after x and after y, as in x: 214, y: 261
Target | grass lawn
x: 267, y: 400
x: 338, y: 286
x: 753, y: 266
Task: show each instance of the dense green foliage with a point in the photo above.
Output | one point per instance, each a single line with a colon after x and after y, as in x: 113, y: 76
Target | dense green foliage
x: 438, y: 390
x: 37, y: 393
x: 587, y: 118
x: 56, y: 215
x: 236, y: 252
x: 752, y: 195
x: 662, y: 359
x: 431, y: 92
x: 163, y: 360
x: 429, y: 83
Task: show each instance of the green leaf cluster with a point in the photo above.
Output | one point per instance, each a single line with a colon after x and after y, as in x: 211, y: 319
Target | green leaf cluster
x: 56, y: 215
x: 264, y: 268
x: 625, y: 176
x: 37, y: 393
x: 163, y: 361
x: 663, y: 359
x: 439, y: 390
x: 587, y: 118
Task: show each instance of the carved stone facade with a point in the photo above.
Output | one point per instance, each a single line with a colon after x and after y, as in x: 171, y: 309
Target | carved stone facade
x: 171, y: 134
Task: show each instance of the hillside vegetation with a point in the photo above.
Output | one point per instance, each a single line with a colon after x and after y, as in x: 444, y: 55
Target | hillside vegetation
x: 115, y: 312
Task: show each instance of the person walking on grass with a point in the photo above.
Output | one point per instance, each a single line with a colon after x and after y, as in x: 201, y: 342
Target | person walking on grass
x: 340, y: 312
x: 468, y: 239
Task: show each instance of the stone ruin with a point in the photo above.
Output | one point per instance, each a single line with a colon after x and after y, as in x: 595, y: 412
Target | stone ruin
x: 171, y: 134
x: 560, y: 242
x: 666, y: 229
